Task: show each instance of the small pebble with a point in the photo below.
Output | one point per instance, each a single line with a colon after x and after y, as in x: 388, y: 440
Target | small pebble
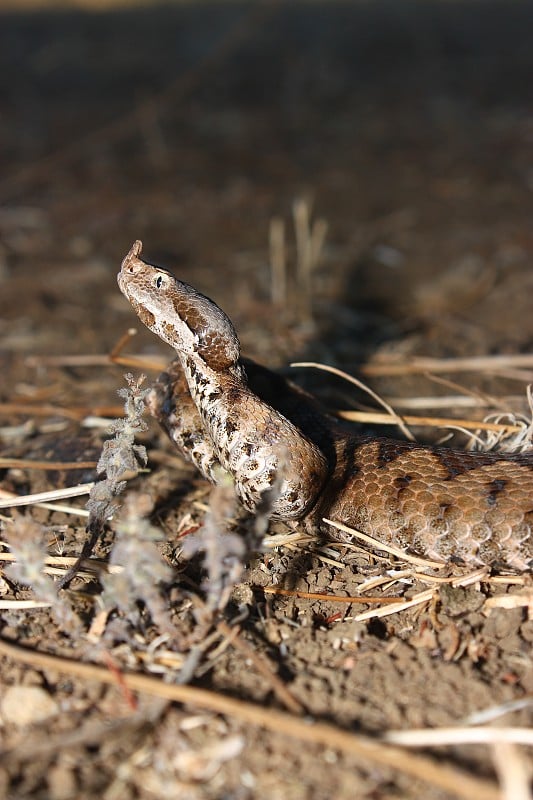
x: 24, y: 705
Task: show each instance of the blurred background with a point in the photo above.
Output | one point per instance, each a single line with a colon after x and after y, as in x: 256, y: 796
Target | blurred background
x: 342, y: 177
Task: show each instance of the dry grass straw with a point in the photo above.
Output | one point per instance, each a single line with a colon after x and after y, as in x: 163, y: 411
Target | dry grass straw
x: 58, y: 565
x: 441, y: 737
x: 276, y: 590
x: 9, y: 500
x: 391, y: 414
x: 520, y: 427
x: 513, y: 771
x: 494, y: 712
x: 378, y: 545
x: 113, y: 358
x: 278, y: 263
x: 505, y: 365
x: 373, y: 418
x: 22, y: 605
x: 26, y: 463
x: 310, y: 237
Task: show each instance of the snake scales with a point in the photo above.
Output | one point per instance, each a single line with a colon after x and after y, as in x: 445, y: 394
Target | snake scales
x: 224, y: 411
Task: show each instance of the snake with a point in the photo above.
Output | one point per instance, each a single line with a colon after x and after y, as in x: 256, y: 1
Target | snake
x: 282, y: 450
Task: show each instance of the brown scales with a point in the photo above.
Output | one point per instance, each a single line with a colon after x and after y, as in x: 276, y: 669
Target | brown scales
x: 473, y: 508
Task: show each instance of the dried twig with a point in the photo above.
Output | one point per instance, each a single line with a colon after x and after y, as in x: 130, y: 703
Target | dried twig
x: 59, y: 565
x: 333, y: 598
x: 386, y: 611
x: 439, y: 737
x: 278, y: 262
x: 45, y: 410
x: 40, y: 498
x: 375, y: 543
x: 420, y: 364
x: 95, y: 360
x: 376, y: 418
x: 22, y: 605
x: 400, y: 421
x: 494, y: 712
x: 26, y: 463
x: 510, y: 601
x: 513, y: 770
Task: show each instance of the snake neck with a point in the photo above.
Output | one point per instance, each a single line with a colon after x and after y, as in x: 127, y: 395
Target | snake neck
x: 270, y: 460
x: 213, y: 392
x: 179, y: 314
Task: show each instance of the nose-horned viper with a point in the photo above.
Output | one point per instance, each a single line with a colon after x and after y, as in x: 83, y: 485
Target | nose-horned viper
x: 224, y: 411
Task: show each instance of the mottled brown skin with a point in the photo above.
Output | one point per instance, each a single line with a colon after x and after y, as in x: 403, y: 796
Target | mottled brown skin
x: 232, y: 428
x: 471, y: 508
x: 226, y: 412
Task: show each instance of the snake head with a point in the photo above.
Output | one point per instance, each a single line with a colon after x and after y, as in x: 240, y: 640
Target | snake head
x: 180, y: 315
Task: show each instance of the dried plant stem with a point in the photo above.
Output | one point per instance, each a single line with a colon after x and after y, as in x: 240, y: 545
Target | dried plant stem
x: 26, y: 543
x: 67, y: 561
x: 22, y: 605
x: 124, y: 340
x: 395, y: 551
x: 120, y: 460
x: 417, y: 600
x: 35, y: 410
x: 304, y: 263
x: 391, y: 414
x: 442, y: 737
x: 419, y: 364
x: 103, y: 360
x: 455, y: 401
x: 59, y: 565
x: 493, y: 712
x: 453, y: 780
x: 25, y: 463
x: 436, y: 422
x: 513, y: 771
x: 278, y: 262
x: 310, y: 240
x: 333, y: 598
x: 42, y: 497
x: 510, y: 601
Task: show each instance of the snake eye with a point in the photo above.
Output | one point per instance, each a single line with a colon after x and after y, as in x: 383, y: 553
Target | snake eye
x: 159, y: 281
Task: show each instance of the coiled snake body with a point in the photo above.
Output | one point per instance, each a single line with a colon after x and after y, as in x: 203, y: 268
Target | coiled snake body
x: 223, y: 411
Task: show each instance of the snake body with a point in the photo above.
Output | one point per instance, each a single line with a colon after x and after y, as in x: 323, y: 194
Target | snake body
x: 227, y: 413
